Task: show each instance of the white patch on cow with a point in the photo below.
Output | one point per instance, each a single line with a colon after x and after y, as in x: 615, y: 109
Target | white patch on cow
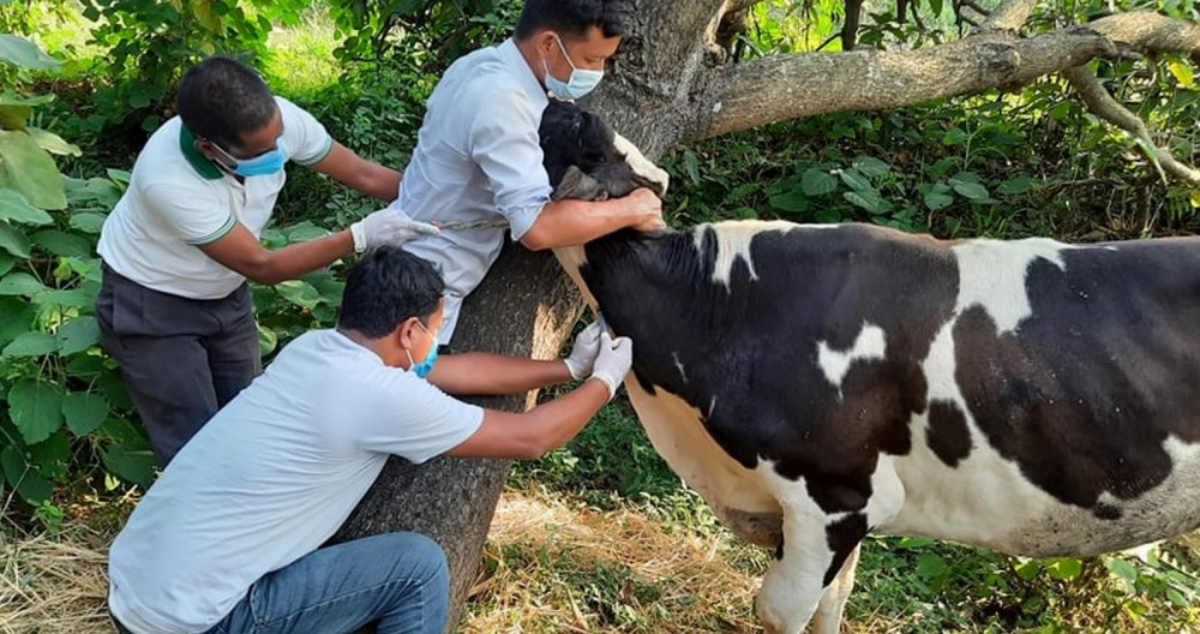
x: 871, y: 344
x: 992, y: 274
x: 641, y: 165
x: 682, y: 371
x: 733, y: 242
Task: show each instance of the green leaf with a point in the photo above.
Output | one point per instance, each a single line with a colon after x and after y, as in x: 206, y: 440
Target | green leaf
x: 1016, y: 185
x: 1182, y: 71
x: 73, y: 298
x: 78, y: 335
x: 971, y: 191
x: 855, y: 180
x: 870, y: 200
x: 84, y: 412
x: 15, y: 208
x: 299, y: 292
x: 32, y: 486
x: 88, y: 222
x: 790, y: 201
x: 25, y: 54
x: 1065, y: 569
x: 51, y: 456
x: 931, y: 566
x: 1123, y: 569
x: 1028, y: 569
x: 20, y: 284
x: 53, y: 143
x: 27, y: 168
x: 18, y: 318
x: 267, y: 340
x: 13, y: 240
x: 7, y: 262
x: 30, y: 344
x: 955, y: 136
x: 62, y: 243
x: 14, y: 116
x: 817, y: 182
x: 304, y: 231
x: 132, y: 461
x: 36, y: 409
x: 938, y: 200
x: 872, y: 166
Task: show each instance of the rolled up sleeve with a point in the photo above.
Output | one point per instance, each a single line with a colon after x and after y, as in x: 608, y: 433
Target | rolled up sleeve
x: 504, y: 143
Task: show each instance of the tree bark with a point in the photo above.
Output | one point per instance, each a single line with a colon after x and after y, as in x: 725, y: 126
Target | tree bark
x: 526, y: 307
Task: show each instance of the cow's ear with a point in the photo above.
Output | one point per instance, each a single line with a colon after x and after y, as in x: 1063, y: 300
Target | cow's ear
x: 576, y: 185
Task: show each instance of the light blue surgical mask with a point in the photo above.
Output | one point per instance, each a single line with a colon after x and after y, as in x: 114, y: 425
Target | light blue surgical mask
x: 423, y: 368
x: 580, y: 83
x: 265, y: 164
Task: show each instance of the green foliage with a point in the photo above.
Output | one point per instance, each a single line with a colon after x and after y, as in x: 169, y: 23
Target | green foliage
x: 432, y: 32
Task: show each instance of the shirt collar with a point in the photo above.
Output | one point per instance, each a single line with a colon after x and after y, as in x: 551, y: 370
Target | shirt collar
x: 199, y: 162
x: 516, y: 63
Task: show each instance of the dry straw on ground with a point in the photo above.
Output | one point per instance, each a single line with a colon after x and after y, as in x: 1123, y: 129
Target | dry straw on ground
x: 549, y: 568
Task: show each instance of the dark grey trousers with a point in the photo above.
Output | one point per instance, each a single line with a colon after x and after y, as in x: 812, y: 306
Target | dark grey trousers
x: 182, y: 359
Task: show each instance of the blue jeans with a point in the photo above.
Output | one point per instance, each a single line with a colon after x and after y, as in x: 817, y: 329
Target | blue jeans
x: 398, y: 581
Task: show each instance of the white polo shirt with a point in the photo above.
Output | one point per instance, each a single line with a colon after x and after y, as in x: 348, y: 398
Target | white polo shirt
x: 271, y: 477
x: 178, y: 200
x: 477, y: 160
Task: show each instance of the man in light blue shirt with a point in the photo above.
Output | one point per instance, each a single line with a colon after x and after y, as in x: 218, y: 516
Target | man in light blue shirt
x: 478, y: 161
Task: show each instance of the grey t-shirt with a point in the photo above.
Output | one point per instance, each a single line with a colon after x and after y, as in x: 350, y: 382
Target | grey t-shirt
x: 271, y: 477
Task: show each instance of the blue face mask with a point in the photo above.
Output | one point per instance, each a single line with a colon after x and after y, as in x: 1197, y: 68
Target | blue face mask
x: 423, y: 368
x: 265, y: 164
x: 579, y: 84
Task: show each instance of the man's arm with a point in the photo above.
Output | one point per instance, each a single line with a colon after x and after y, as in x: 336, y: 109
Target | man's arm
x: 358, y: 173
x: 534, y: 433
x: 484, y: 373
x: 240, y: 251
x: 568, y: 222
x: 553, y: 424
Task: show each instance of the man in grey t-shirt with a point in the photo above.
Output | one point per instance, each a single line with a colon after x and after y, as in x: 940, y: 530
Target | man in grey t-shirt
x: 228, y: 536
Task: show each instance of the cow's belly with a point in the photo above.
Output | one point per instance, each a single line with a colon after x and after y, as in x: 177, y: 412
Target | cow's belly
x: 986, y: 501
x: 735, y: 493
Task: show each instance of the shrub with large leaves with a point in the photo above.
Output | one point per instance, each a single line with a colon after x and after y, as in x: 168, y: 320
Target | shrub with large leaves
x: 62, y: 402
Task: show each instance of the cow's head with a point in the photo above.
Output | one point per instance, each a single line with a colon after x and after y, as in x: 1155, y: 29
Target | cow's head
x: 586, y: 160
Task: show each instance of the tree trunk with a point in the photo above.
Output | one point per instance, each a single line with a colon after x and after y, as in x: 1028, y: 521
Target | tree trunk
x: 525, y: 307
x: 671, y: 83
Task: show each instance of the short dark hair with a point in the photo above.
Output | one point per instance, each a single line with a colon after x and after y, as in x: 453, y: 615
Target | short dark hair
x: 221, y: 99
x: 387, y: 287
x: 573, y: 18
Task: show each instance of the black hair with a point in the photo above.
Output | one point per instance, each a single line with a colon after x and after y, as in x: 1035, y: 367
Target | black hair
x: 573, y: 18
x: 221, y: 99
x: 387, y: 287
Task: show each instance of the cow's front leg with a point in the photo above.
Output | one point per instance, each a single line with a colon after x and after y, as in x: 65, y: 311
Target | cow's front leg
x: 816, y: 546
x: 828, y: 619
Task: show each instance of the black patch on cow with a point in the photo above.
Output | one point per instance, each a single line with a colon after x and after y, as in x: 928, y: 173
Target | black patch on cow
x: 749, y: 348
x: 1084, y: 393
x: 948, y: 435
x: 843, y: 536
x: 779, y: 549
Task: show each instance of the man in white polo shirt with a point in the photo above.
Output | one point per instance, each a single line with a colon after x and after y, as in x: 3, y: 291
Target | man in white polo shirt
x: 227, y: 539
x: 174, y: 308
x: 478, y: 161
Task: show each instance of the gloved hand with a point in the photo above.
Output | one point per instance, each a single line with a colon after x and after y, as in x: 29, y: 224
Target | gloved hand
x: 387, y: 226
x: 583, y: 353
x: 613, y: 361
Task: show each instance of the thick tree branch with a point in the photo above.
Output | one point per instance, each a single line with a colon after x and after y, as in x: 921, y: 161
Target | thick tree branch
x: 1104, y: 106
x: 1011, y: 15
x: 1150, y: 31
x: 795, y: 86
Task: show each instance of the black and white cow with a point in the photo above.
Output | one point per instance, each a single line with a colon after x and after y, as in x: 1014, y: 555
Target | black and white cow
x: 816, y: 383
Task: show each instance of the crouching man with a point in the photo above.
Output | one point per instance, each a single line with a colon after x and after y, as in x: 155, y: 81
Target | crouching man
x: 226, y: 540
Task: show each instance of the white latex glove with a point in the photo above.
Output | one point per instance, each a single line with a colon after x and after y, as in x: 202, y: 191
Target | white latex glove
x: 613, y: 361
x: 583, y: 354
x: 387, y: 226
